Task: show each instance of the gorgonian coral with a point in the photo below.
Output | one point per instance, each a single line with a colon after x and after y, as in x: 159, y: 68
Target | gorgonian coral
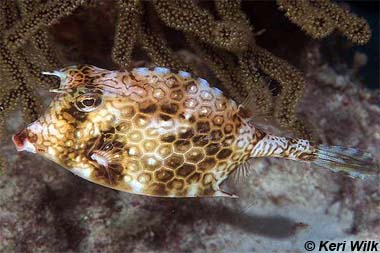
x: 226, y: 43
x: 20, y: 66
x: 224, y: 38
x: 319, y: 18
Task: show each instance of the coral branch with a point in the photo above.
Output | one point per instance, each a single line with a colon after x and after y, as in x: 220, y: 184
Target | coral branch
x: 222, y: 64
x: 223, y: 37
x: 46, y: 14
x: 230, y: 10
x: 126, y: 30
x: 319, y: 18
x: 8, y: 14
x: 13, y: 66
x: 259, y: 96
x: 311, y: 20
x: 40, y: 40
x: 189, y: 18
x: 356, y: 29
x: 291, y: 82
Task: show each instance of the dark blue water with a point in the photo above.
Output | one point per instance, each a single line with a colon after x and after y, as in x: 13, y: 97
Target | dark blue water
x: 370, y: 11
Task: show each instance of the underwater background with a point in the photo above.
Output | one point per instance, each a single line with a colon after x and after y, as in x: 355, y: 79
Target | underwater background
x: 330, y: 94
x: 370, y: 11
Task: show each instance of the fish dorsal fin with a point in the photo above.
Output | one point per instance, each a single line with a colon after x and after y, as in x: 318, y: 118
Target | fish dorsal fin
x: 258, y: 118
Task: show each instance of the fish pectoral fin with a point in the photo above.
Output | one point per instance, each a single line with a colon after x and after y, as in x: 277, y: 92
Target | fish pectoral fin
x: 220, y: 193
x: 241, y: 173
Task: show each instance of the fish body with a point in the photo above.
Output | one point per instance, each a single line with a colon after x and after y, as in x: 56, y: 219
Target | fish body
x: 158, y: 133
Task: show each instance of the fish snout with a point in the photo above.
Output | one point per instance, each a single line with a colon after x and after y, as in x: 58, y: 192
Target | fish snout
x: 22, y: 142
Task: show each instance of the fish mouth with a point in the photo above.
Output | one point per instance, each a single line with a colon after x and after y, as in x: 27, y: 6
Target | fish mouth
x: 22, y: 143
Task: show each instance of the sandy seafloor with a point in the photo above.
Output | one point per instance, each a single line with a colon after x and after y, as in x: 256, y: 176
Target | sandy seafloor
x: 282, y: 204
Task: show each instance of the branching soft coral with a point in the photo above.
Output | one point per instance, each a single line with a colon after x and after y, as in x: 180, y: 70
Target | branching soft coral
x: 319, y: 18
x: 187, y: 17
x: 127, y: 28
x: 20, y: 63
x: 44, y: 14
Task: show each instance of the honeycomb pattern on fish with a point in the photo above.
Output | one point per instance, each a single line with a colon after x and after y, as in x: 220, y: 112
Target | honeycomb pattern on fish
x: 155, y: 133
x: 158, y: 133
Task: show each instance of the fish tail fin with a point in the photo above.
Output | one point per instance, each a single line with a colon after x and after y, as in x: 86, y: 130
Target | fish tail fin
x: 355, y: 162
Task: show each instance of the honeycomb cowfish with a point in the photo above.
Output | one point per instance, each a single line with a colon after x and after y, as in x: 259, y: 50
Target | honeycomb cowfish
x: 154, y: 132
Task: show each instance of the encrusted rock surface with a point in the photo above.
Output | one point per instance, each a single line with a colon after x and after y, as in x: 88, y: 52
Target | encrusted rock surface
x: 282, y: 204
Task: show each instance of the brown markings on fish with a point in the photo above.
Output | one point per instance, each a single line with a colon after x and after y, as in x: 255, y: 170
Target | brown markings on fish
x: 124, y: 142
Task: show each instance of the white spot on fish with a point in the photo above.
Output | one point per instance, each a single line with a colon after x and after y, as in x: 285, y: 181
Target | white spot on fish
x: 101, y: 160
x: 158, y: 93
x: 164, y: 127
x: 82, y: 172
x: 127, y: 178
x: 167, y: 123
x: 206, y: 95
x: 132, y: 151
x: 142, y: 71
x: 217, y: 91
x: 53, y: 131
x: 241, y: 144
x: 192, y: 191
x: 190, y: 103
x: 204, y: 110
x: 36, y: 127
x: 78, y: 134
x: 27, y: 146
x: 152, y: 161
x: 203, y: 83
x: 160, y: 70
x: 233, y: 103
x: 187, y: 115
x: 136, y: 186
x: 51, y: 152
x: 184, y: 74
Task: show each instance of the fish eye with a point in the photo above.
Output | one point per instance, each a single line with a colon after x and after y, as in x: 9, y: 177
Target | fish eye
x: 88, y: 102
x: 108, y: 147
